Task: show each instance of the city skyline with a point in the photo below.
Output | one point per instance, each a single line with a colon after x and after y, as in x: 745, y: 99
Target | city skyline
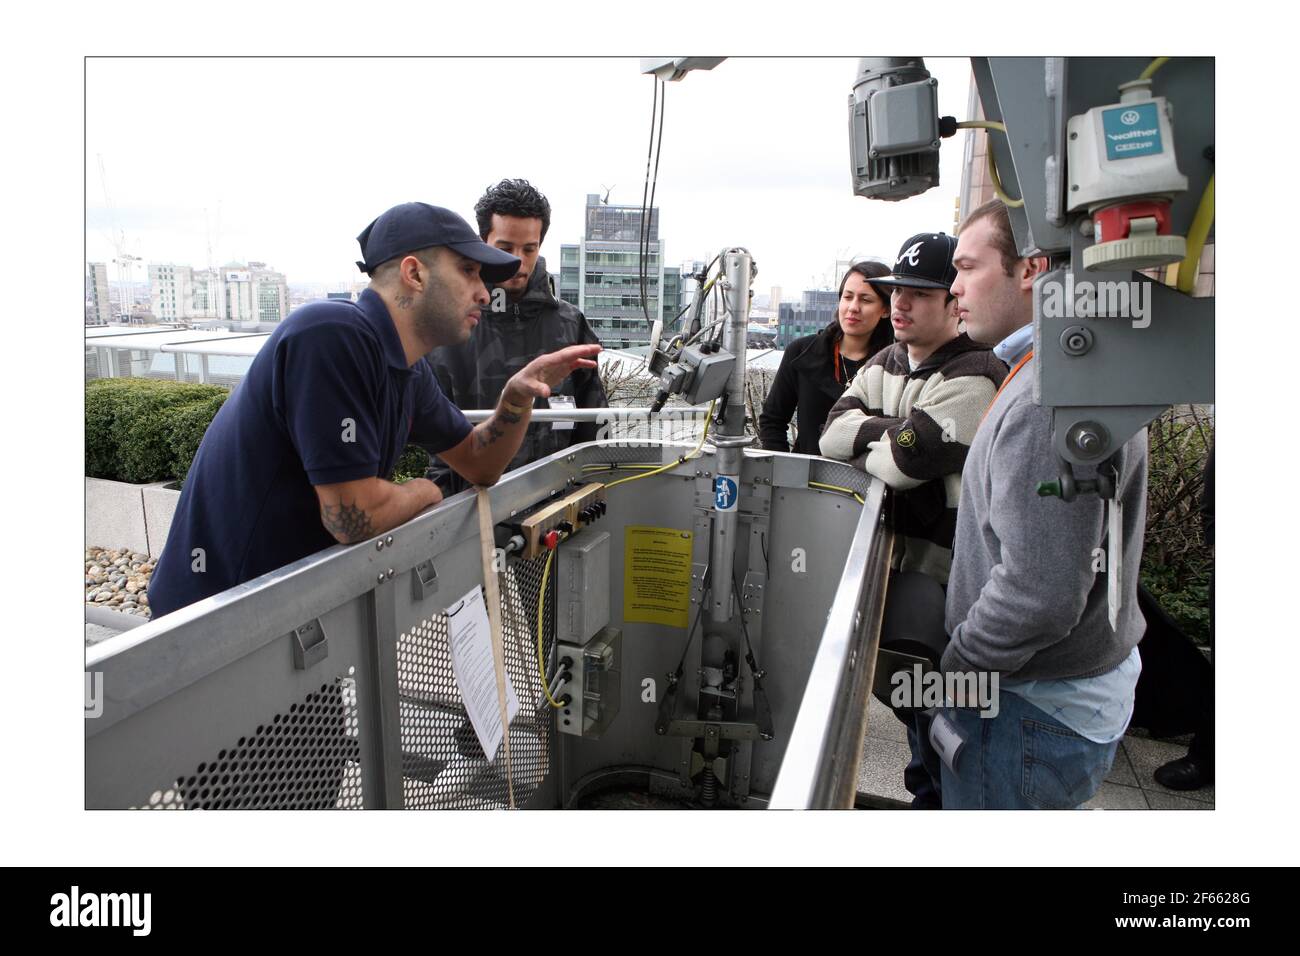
x: 780, y: 160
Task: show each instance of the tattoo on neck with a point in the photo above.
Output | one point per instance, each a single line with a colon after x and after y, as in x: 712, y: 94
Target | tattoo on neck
x: 403, y: 301
x: 346, y: 522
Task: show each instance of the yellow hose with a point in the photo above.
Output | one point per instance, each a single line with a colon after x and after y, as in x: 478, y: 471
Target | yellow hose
x: 847, y: 491
x: 1196, y: 236
x: 673, y: 464
x: 992, y: 163
x: 1154, y: 65
x: 541, y: 607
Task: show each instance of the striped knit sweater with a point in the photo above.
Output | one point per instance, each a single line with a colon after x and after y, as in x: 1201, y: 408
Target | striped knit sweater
x: 912, y: 430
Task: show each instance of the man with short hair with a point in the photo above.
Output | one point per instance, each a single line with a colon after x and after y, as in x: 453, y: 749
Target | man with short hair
x: 298, y: 456
x: 523, y: 319
x: 908, y: 418
x: 1026, y: 599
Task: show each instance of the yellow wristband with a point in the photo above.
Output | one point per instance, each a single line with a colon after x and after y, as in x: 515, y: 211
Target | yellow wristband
x: 513, y: 409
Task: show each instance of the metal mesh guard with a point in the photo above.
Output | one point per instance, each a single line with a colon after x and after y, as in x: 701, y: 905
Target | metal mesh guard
x: 307, y: 758
x: 443, y: 764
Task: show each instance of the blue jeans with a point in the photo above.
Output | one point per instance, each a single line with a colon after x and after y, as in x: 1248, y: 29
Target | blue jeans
x: 1022, y: 759
x: 922, y: 774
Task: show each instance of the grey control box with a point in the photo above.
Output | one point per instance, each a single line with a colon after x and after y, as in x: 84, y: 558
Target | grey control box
x: 582, y: 586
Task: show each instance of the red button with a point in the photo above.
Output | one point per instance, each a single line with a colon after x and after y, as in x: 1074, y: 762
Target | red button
x: 551, y: 539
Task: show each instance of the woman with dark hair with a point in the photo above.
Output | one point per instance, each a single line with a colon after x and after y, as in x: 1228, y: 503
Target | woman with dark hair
x: 816, y: 369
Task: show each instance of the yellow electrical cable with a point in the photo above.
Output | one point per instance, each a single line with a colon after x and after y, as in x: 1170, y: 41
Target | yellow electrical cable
x: 992, y: 164
x: 983, y: 124
x: 847, y: 491
x: 997, y: 184
x: 673, y: 464
x: 546, y: 571
x: 1196, y: 237
x: 1154, y: 65
x: 541, y: 607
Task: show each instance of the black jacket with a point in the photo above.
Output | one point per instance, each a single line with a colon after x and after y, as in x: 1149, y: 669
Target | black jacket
x: 806, y: 381
x: 473, y: 374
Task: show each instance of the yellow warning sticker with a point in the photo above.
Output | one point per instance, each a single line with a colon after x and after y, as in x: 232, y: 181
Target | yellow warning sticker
x: 656, y: 575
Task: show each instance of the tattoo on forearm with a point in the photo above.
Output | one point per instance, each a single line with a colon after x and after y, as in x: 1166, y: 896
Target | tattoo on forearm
x: 404, y: 301
x: 489, y: 434
x: 347, y: 522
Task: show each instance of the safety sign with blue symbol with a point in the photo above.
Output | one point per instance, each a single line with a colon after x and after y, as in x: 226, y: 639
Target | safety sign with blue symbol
x: 724, y: 493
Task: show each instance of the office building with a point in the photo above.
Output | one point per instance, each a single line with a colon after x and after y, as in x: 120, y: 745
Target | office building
x: 601, y: 274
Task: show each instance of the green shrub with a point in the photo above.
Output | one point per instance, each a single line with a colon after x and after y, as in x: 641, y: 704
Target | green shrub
x: 142, y: 430
x: 131, y: 425
x: 1176, y: 561
x: 104, y: 400
x: 413, y: 464
x: 188, y: 423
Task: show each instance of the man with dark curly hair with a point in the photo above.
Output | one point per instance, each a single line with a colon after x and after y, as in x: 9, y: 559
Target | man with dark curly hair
x: 524, y: 319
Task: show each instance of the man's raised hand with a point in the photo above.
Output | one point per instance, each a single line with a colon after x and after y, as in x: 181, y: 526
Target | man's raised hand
x: 542, y: 374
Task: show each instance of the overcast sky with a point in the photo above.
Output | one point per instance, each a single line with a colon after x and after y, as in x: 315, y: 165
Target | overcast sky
x: 286, y: 160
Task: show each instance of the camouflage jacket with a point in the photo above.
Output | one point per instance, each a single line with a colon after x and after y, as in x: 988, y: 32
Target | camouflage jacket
x: 473, y: 374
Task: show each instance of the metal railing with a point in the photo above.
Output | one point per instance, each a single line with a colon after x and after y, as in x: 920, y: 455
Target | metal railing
x: 327, y: 683
x: 820, y: 767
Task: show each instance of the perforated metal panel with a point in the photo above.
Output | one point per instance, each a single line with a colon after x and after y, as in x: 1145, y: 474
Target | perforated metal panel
x: 305, y: 758
x: 443, y: 765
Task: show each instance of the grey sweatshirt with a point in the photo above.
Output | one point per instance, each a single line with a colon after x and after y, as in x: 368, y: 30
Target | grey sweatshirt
x: 1023, y: 596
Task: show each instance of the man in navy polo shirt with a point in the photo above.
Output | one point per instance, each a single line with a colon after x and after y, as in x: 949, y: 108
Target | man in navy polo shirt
x: 296, y: 459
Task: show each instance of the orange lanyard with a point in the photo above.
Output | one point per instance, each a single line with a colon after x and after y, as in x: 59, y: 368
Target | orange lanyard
x: 1007, y: 381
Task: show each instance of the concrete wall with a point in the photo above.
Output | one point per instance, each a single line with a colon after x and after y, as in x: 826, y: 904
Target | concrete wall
x: 159, y: 507
x: 120, y: 515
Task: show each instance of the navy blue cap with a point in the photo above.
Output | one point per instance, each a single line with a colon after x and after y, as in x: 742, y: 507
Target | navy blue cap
x: 417, y: 225
x: 924, y: 262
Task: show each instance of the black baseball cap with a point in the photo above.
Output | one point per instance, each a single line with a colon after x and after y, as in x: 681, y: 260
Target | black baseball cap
x: 924, y: 262
x: 417, y: 225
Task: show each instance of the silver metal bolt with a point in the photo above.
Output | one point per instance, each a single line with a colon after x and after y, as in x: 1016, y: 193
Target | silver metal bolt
x: 381, y: 577
x: 379, y: 545
x: 389, y: 540
x: 391, y: 572
x: 1088, y: 440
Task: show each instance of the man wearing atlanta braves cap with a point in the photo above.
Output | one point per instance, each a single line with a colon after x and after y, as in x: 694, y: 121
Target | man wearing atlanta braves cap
x: 298, y: 457
x: 909, y: 418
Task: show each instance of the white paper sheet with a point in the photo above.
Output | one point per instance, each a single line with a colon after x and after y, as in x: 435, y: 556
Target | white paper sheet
x: 471, y: 662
